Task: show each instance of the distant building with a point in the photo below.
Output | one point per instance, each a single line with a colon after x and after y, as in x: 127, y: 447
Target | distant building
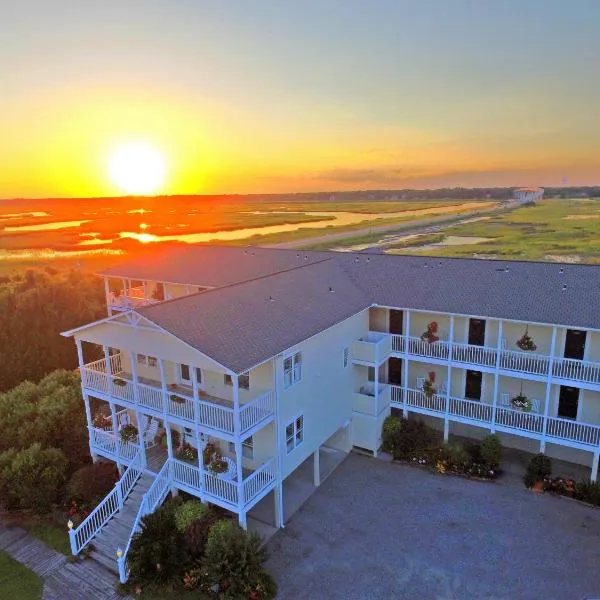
x: 529, y: 195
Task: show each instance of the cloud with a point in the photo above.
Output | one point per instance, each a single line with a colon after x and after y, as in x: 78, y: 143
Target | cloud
x: 380, y: 175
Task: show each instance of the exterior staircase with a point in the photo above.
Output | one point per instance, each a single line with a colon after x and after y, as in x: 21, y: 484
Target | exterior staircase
x: 116, y: 533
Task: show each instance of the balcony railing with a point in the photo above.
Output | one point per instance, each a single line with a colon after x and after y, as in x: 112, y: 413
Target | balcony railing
x: 509, y: 360
x: 178, y: 403
x: 373, y: 348
x: 529, y: 424
x: 106, y: 443
x: 128, y: 299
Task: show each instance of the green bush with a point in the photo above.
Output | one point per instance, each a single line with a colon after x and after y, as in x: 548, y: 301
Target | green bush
x: 32, y: 478
x: 233, y: 560
x: 457, y: 453
x: 403, y: 437
x: 491, y: 451
x: 91, y: 483
x: 588, y: 491
x: 187, y: 512
x: 157, y: 553
x: 539, y: 467
x: 196, y: 534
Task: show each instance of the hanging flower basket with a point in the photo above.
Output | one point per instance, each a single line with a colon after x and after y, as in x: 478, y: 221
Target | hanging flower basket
x: 120, y: 382
x: 177, y: 399
x: 428, y: 388
x: 218, y: 464
x: 429, y: 335
x: 521, y: 402
x: 129, y: 433
x: 188, y: 454
x: 525, y: 343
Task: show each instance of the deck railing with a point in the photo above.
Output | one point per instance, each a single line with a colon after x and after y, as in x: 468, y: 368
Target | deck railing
x: 81, y: 536
x: 516, y: 419
x: 106, y: 441
x: 470, y: 409
x: 578, y: 370
x: 525, y: 362
x: 259, y: 480
x: 257, y: 410
x: 479, y: 355
x: 152, y: 498
x: 583, y: 433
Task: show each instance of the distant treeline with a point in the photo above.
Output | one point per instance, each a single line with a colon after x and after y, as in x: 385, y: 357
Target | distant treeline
x: 35, y: 306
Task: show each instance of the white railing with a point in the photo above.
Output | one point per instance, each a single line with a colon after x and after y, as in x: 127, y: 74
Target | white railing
x: 516, y: 419
x: 582, y: 433
x: 123, y: 390
x: 578, y: 370
x: 152, y: 498
x: 94, y: 380
x: 418, y: 398
x: 398, y: 343
x: 186, y: 474
x: 107, y: 442
x: 129, y: 298
x: 259, y: 480
x: 255, y: 411
x: 150, y: 396
x: 470, y: 409
x: 397, y: 394
x: 113, y: 502
x: 224, y: 489
x: 116, y: 364
x: 216, y: 416
x: 178, y: 405
x: 478, y: 355
x: 525, y: 362
x: 418, y: 347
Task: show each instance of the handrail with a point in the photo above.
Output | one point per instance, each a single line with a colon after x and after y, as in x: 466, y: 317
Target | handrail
x: 112, y: 503
x: 265, y: 473
x: 256, y: 410
x: 152, y: 498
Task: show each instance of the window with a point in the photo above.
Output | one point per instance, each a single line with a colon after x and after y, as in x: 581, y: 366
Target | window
x: 370, y: 373
x: 185, y: 374
x: 346, y: 354
x: 292, y: 370
x: 243, y: 381
x: 294, y: 433
x: 141, y: 359
x: 152, y: 361
x: 247, y: 448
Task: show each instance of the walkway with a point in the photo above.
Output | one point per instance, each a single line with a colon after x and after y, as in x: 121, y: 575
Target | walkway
x: 85, y: 580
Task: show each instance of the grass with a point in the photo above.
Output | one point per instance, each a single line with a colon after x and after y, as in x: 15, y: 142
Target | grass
x: 16, y: 581
x: 52, y: 534
x: 538, y: 232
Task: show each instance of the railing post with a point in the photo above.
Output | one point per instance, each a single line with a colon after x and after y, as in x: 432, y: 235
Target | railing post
x: 119, y: 493
x: 548, y: 389
x: 405, y: 374
x: 163, y: 385
x: 449, y: 380
x: 237, y: 427
x: 122, y: 566
x: 196, y: 395
x: 72, y: 538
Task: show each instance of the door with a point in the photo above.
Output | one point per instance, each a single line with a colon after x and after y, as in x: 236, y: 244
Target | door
x: 396, y: 318
x: 476, y: 332
x: 395, y: 371
x: 568, y: 401
x: 473, y: 385
x: 575, y: 344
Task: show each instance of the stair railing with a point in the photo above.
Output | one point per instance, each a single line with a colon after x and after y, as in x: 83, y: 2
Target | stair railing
x: 156, y: 493
x: 81, y: 536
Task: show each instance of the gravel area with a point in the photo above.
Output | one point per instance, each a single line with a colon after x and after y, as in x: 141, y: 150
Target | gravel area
x: 380, y: 530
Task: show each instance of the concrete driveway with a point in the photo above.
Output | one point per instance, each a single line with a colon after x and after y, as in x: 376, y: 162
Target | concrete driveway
x: 379, y: 530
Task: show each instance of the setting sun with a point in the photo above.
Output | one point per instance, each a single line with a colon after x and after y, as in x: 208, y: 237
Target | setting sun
x: 137, y: 168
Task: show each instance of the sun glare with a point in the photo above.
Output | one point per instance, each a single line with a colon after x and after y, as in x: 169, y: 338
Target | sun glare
x: 137, y: 168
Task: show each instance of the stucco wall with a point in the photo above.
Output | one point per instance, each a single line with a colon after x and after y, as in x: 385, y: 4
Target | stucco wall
x: 419, y: 322
x: 378, y: 319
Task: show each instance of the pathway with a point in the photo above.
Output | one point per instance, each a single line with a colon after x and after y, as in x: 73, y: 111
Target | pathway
x: 84, y: 580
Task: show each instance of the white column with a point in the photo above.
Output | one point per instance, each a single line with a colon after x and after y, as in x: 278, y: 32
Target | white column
x: 163, y: 384
x: 405, y: 374
x: 140, y: 419
x: 237, y: 428
x: 279, y: 512
x: 278, y: 500
x: 496, y: 374
x: 134, y: 375
x: 79, y: 353
x: 108, y: 368
x: 317, y: 468
x: 548, y: 390
x: 107, y: 295
x: 200, y: 447
x: 169, y: 440
x: 90, y: 425
x: 116, y: 434
x: 449, y: 380
x: 594, y: 474
x: 194, y: 375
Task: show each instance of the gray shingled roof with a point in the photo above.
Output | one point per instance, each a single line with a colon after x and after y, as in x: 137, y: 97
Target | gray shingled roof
x: 239, y: 326
x: 212, y: 266
x: 242, y: 325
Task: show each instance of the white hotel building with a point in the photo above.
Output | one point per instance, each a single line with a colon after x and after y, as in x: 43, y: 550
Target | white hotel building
x: 275, y: 354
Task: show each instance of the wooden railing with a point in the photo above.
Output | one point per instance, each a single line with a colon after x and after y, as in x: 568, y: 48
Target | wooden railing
x: 259, y: 480
x: 112, y: 503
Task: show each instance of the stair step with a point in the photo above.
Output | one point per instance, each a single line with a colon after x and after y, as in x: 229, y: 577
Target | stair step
x: 107, y: 562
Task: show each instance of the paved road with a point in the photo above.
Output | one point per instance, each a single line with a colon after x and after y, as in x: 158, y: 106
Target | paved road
x: 429, y: 225
x: 377, y: 530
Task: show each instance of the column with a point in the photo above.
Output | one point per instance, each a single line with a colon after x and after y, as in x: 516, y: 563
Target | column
x: 200, y: 447
x: 108, y: 368
x: 163, y: 384
x: 405, y: 374
x: 90, y: 425
x: 278, y: 500
x: 316, y: 468
x: 195, y: 404
x: 594, y: 474
x: 134, y: 375
x: 124, y: 295
x: 80, y: 357
x: 275, y: 366
x: 116, y: 434
x: 140, y: 424
x: 107, y: 294
x: 496, y: 375
x: 449, y: 380
x: 237, y: 428
x: 548, y: 390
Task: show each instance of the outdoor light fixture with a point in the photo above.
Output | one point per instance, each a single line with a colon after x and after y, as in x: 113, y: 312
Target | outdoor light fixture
x: 119, y: 552
x: 70, y: 524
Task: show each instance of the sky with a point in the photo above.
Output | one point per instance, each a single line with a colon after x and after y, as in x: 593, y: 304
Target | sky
x: 288, y: 96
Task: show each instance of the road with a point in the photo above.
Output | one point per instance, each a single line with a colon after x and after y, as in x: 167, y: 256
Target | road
x: 431, y: 225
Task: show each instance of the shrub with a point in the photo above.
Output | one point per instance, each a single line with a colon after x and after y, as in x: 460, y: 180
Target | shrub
x: 91, y: 483
x: 491, y: 450
x: 402, y: 437
x: 233, y: 559
x: 457, y: 454
x: 32, y: 478
x: 157, y: 553
x: 196, y: 534
x: 187, y: 512
x: 539, y: 467
x: 392, y: 426
x: 588, y: 491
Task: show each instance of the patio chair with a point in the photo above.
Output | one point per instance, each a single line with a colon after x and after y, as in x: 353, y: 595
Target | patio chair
x: 535, y: 405
x: 505, y: 400
x: 442, y: 389
x: 150, y: 434
x: 420, y: 383
x: 124, y: 419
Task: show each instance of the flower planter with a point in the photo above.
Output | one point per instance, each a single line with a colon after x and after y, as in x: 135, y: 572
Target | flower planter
x: 120, y: 382
x: 537, y: 487
x: 177, y: 399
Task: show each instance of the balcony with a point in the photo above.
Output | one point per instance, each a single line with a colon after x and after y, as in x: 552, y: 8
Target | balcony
x: 509, y: 360
x: 127, y: 299
x: 367, y: 402
x: 372, y: 349
x: 177, y: 404
x: 509, y: 420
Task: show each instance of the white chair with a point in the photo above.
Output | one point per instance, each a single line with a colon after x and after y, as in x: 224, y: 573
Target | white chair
x: 505, y: 400
x: 150, y: 434
x: 420, y: 382
x: 535, y: 405
x: 442, y: 389
x: 124, y: 419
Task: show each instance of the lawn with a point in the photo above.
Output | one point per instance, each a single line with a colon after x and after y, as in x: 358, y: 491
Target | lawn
x: 52, y: 534
x: 566, y: 230
x: 16, y: 581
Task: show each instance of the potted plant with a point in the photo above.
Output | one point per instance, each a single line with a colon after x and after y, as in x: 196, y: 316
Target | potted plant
x: 177, y: 399
x: 218, y: 465
x: 209, y: 450
x: 429, y: 335
x: 120, y: 382
x: 525, y: 342
x: 428, y: 388
x: 522, y: 402
x: 187, y: 453
x: 129, y: 433
x: 101, y: 421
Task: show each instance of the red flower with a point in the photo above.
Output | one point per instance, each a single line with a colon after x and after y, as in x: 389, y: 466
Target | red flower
x: 433, y: 326
x: 432, y: 376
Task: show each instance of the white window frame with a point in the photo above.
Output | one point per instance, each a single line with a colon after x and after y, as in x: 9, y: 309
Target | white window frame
x: 247, y: 448
x: 243, y: 381
x: 141, y: 359
x: 292, y: 374
x: 193, y: 371
x: 297, y: 435
x: 152, y: 362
